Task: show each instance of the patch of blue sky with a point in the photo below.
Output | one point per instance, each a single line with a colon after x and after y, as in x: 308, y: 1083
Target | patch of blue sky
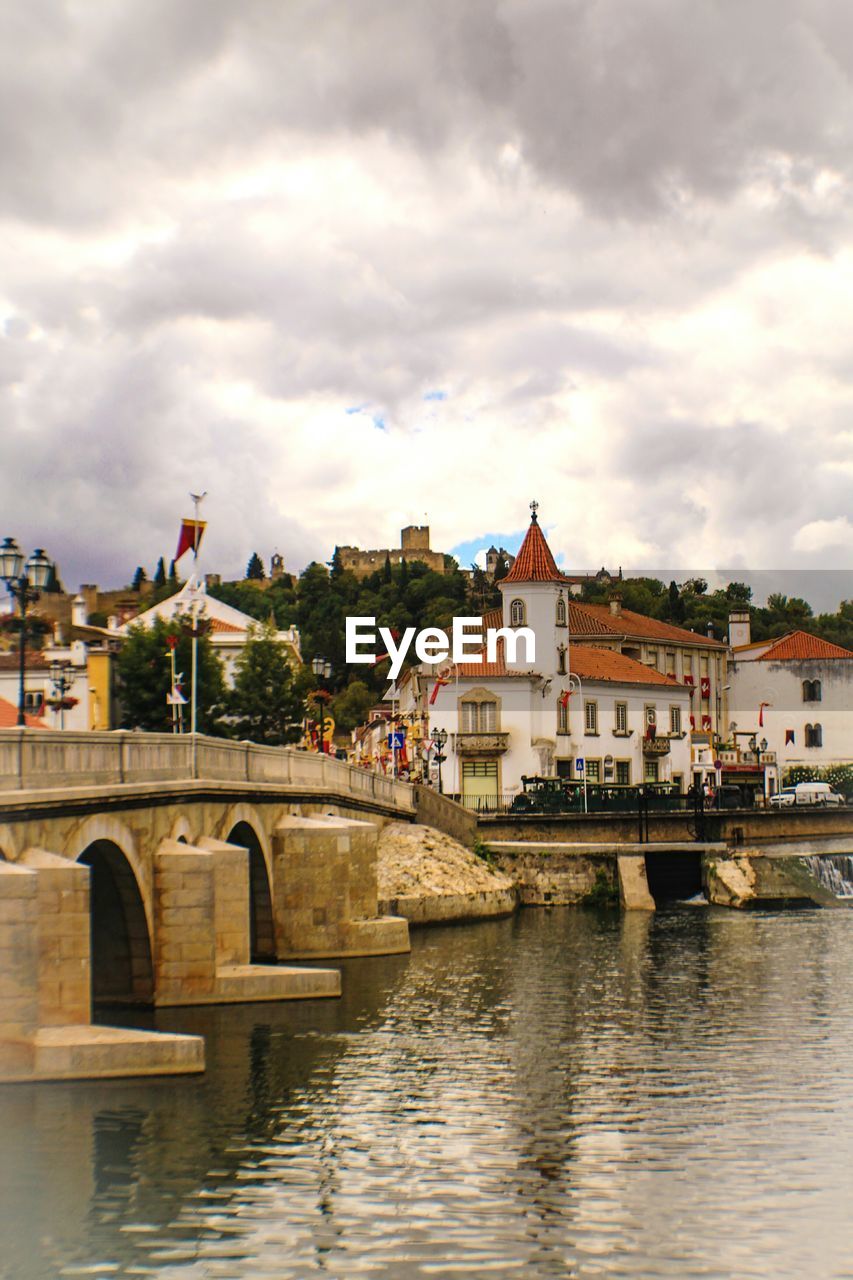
x: 435, y: 395
x: 356, y: 408
x: 379, y: 422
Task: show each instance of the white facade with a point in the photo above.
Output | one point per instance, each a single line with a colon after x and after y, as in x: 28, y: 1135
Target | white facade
x: 229, y: 627
x: 803, y: 724
x: 39, y: 689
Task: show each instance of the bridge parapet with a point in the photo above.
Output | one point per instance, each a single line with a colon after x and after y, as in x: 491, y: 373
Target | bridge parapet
x: 32, y: 760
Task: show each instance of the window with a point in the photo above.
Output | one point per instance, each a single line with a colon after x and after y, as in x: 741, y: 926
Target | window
x: 593, y: 770
x: 561, y: 660
x: 562, y: 717
x: 590, y: 717
x: 811, y: 691
x: 33, y: 701
x: 703, y: 665
x: 517, y: 613
x: 675, y: 719
x: 687, y: 664
x: 561, y: 612
x: 652, y: 658
x: 623, y: 773
x: 479, y: 717
x: 814, y: 735
x: 650, y: 771
x: 670, y: 662
x: 621, y: 719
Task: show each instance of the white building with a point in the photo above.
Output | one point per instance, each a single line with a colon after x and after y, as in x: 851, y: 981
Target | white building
x: 229, y: 627
x: 525, y: 716
x: 795, y: 692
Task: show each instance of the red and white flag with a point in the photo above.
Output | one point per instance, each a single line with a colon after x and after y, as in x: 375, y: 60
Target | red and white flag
x: 189, y: 539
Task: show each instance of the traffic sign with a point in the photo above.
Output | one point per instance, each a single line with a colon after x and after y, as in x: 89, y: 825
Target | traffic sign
x: 579, y: 765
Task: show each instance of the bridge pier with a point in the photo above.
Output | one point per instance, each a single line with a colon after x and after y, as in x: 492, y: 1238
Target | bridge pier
x: 325, y: 900
x: 201, y: 909
x: 45, y: 991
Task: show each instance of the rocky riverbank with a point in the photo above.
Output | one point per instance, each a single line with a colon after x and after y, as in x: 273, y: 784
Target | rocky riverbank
x: 429, y: 878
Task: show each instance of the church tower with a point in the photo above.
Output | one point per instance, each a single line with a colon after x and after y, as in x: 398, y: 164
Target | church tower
x: 534, y: 595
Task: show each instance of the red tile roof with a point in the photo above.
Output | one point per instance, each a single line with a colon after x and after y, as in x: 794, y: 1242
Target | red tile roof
x: 484, y: 669
x: 9, y: 717
x: 534, y: 562
x: 798, y: 646
x: 591, y: 663
x: 12, y: 661
x: 493, y: 619
x: 597, y: 620
x: 217, y: 624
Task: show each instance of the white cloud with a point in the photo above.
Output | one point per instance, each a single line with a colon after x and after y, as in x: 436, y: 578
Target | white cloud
x: 618, y: 236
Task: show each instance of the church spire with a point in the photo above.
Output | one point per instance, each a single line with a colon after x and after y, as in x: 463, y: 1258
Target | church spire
x: 534, y: 562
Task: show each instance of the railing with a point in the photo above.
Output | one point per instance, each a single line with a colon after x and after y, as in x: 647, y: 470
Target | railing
x: 599, y: 799
x: 32, y: 760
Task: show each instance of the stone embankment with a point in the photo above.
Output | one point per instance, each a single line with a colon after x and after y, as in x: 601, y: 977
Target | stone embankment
x: 430, y: 878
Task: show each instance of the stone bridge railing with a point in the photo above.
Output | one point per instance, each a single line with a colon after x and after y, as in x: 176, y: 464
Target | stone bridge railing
x: 33, y: 760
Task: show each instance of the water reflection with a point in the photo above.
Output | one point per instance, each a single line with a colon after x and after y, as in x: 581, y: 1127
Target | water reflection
x: 562, y: 1094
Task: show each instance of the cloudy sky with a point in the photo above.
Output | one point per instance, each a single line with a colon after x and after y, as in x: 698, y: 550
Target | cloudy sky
x: 344, y: 265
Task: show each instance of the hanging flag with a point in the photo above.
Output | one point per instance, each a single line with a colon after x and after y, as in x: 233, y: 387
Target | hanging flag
x: 564, y: 697
x: 705, y: 684
x: 761, y: 707
x: 789, y: 736
x: 189, y: 539
x: 439, y: 683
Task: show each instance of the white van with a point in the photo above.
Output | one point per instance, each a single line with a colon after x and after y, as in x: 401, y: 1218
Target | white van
x: 816, y: 793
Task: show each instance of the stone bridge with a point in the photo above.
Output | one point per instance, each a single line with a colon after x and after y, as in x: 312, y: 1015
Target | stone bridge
x: 158, y: 870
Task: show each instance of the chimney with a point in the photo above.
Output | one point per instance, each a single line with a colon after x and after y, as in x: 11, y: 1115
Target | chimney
x: 709, y: 630
x: 616, y: 604
x: 739, y: 627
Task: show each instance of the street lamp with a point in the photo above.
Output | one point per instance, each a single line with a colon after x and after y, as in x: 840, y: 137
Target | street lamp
x: 440, y: 739
x: 62, y: 678
x: 25, y: 582
x: 322, y: 670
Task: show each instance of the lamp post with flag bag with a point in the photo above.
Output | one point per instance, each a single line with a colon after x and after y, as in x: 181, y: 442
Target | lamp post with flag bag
x: 190, y: 536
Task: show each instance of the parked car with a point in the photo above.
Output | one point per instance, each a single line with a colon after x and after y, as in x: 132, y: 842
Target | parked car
x: 785, y: 798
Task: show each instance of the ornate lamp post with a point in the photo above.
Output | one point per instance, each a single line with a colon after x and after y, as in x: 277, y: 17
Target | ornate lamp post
x: 322, y: 670
x: 25, y: 582
x: 440, y: 739
x: 62, y: 678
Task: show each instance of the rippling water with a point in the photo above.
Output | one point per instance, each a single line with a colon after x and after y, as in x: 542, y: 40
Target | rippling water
x: 564, y: 1094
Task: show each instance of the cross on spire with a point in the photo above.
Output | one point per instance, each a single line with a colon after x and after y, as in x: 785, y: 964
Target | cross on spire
x: 534, y: 507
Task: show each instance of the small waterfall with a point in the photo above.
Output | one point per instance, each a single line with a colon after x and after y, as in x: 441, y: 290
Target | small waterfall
x: 834, y: 872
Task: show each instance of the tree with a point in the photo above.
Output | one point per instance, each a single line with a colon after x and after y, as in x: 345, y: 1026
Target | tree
x: 267, y: 701
x: 738, y: 593
x: 336, y: 565
x: 160, y: 573
x: 255, y: 568
x: 694, y: 587
x: 138, y: 578
x: 350, y: 708
x: 173, y: 573
x: 676, y: 606
x: 144, y: 675
x: 501, y: 569
x: 387, y: 576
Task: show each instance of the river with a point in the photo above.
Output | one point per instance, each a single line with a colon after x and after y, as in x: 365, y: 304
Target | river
x: 563, y: 1094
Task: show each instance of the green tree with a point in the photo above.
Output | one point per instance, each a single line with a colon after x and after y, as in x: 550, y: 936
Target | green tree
x: 675, y: 605
x: 144, y: 675
x: 738, y: 593
x: 160, y: 573
x: 173, y: 573
x: 267, y: 701
x: 138, y: 578
x: 386, y: 571
x: 255, y: 568
x: 350, y: 708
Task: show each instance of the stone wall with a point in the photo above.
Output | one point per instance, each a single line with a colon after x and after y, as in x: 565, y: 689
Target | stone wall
x: 434, y: 810
x: 731, y: 825
x: 556, y: 878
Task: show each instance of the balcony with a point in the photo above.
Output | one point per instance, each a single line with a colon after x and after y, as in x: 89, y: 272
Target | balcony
x: 655, y: 747
x: 481, y: 744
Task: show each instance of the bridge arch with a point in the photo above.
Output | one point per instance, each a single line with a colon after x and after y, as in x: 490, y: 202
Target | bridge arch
x: 181, y: 830
x: 8, y: 845
x: 122, y: 967
x: 244, y: 828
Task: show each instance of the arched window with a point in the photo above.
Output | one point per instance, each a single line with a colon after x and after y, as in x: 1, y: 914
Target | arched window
x: 517, y: 613
x: 814, y: 735
x: 812, y: 691
x: 561, y: 611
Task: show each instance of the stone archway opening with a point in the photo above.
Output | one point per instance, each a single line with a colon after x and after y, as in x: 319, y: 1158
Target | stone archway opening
x: 261, y: 929
x: 122, y: 969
